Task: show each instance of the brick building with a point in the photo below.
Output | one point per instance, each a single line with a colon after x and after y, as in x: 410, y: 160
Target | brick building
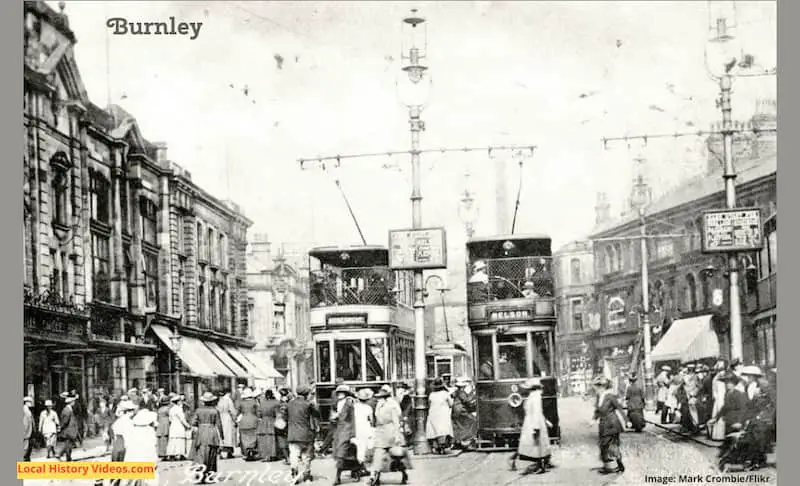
x: 683, y: 282
x: 113, y: 270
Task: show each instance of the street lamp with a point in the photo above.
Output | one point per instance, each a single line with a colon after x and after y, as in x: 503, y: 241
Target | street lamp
x: 722, y: 35
x: 176, y: 340
x: 442, y: 289
x: 415, y: 39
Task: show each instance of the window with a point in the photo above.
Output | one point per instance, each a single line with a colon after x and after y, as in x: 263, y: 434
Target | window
x: 324, y: 362
x: 209, y: 250
x: 125, y: 202
x: 201, y: 304
x: 665, y: 248
x: 575, y: 271
x: 201, y: 247
x: 348, y: 359
x: 691, y: 293
x: 772, y: 242
x: 576, y: 313
x: 609, y: 260
x: 484, y: 357
x: 99, y: 197
x: 151, y: 279
x: 148, y: 220
x: 224, y: 322
x: 376, y: 359
x: 221, y: 249
x: 180, y: 233
x: 101, y: 268
x: 541, y: 354
x: 512, y: 356
x: 58, y: 186
x: 618, y: 257
x: 690, y: 236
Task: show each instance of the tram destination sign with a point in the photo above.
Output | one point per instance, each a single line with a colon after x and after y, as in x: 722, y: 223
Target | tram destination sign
x: 346, y: 320
x: 729, y: 230
x: 417, y: 249
x: 511, y: 315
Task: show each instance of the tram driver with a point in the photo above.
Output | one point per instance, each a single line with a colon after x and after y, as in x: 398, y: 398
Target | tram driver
x: 528, y: 290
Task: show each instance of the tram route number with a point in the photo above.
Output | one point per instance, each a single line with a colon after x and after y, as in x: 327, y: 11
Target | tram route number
x: 515, y: 315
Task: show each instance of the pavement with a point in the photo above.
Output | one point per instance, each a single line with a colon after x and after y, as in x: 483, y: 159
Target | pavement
x: 653, y: 456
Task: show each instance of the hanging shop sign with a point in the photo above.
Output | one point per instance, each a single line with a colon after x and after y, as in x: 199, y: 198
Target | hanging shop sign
x: 417, y: 249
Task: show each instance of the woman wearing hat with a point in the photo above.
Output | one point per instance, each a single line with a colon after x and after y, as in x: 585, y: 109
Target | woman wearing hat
x: 662, y: 383
x: 389, y: 453
x: 140, y: 440
x: 718, y: 390
x: 265, y: 434
x: 465, y: 427
x: 634, y: 401
x: 227, y: 411
x: 48, y: 427
x: 179, y: 429
x: 608, y: 413
x: 439, y: 428
x: 344, y: 450
x: 734, y: 408
x: 534, y: 440
x: 208, y: 424
x: 248, y: 425
x: 281, y: 427
x: 364, y: 419
x: 162, y: 429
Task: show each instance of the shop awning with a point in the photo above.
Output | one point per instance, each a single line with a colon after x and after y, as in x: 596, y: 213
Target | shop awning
x: 193, y: 353
x: 258, y: 367
x: 688, y: 340
x: 226, y: 358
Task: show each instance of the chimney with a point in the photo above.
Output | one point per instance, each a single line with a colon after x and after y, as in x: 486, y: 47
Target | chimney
x: 161, y: 152
x: 602, y: 208
x: 260, y: 248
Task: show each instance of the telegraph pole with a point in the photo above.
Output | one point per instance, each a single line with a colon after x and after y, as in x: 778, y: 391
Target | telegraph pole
x: 648, y: 364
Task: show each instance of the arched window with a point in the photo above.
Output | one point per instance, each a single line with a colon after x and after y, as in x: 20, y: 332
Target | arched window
x: 619, y: 256
x: 690, y: 231
x: 609, y: 260
x: 59, y: 185
x: 691, y: 293
x: 575, y: 271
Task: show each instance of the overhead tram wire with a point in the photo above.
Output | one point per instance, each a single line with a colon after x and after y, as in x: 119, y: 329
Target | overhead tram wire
x: 338, y: 158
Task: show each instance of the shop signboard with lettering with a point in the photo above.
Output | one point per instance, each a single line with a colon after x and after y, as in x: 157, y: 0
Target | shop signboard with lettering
x: 417, y: 249
x: 731, y: 230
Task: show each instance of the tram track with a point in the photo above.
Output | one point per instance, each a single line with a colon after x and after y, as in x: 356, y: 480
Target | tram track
x: 476, y: 466
x: 676, y: 435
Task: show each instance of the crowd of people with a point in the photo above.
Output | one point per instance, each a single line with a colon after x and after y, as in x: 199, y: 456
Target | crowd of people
x: 728, y: 402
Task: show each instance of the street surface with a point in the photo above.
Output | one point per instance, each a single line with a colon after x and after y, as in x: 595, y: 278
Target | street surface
x: 652, y: 453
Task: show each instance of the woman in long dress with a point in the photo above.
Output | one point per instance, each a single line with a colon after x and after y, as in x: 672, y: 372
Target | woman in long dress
x: 465, y: 427
x: 672, y: 398
x: 364, y: 419
x: 248, y: 424
x: 389, y: 453
x: 179, y: 428
x: 265, y: 434
x: 344, y: 451
x: 48, y: 427
x: 227, y: 411
x: 282, y: 418
x: 162, y: 429
x: 205, y: 447
x: 608, y: 413
x: 534, y: 440
x: 439, y: 428
x: 717, y: 429
x: 141, y: 442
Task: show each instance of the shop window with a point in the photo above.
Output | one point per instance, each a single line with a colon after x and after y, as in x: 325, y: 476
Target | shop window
x: 348, y: 359
x: 512, y: 356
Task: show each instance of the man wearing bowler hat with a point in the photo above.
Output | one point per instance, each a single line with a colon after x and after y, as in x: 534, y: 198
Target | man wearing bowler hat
x: 69, y: 429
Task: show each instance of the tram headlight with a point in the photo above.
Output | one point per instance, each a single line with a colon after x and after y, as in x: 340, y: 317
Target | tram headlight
x: 515, y: 400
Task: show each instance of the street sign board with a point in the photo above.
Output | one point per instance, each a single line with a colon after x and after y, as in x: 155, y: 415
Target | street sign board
x: 417, y: 249
x: 730, y: 230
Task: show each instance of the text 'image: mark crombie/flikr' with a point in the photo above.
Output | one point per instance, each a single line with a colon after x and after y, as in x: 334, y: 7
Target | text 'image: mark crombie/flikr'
x: 271, y: 242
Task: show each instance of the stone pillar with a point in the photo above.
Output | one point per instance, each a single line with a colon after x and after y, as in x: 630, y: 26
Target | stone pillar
x: 165, y: 303
x: 137, y: 282
x: 119, y: 280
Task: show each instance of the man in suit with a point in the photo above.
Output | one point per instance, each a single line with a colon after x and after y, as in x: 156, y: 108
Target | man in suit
x: 634, y: 398
x: 734, y: 409
x: 80, y: 414
x: 300, y: 424
x: 27, y: 428
x: 69, y: 428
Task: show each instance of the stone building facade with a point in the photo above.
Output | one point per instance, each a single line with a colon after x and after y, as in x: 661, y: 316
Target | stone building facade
x: 684, y: 282
x: 279, y: 306
x: 112, y: 268
x: 577, y: 320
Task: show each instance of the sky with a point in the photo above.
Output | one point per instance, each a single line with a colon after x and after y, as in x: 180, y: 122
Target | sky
x: 556, y: 75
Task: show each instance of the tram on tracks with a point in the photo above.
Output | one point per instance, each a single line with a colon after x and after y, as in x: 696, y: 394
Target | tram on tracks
x: 361, y: 320
x: 512, y: 320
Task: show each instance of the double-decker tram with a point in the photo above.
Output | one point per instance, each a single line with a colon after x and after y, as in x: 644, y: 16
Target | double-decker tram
x: 361, y: 320
x: 511, y: 315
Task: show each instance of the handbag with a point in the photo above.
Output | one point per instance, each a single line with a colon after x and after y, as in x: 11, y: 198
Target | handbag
x: 280, y: 423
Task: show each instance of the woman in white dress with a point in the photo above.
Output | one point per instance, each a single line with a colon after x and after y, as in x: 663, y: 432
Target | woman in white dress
x: 48, y: 427
x: 178, y: 428
x: 534, y: 440
x: 141, y: 442
x: 439, y: 429
x: 364, y: 420
x: 717, y: 429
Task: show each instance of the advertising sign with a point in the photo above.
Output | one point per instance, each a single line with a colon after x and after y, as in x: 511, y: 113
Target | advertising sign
x: 730, y: 230
x: 417, y: 249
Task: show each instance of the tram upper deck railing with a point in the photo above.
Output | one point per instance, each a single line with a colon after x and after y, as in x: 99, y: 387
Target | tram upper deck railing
x: 378, y: 285
x: 493, y: 279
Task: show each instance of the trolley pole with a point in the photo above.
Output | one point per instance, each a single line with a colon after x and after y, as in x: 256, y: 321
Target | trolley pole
x: 648, y: 363
x: 729, y: 175
x: 420, y: 396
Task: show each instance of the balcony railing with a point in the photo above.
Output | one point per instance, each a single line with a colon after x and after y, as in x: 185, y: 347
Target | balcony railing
x: 352, y: 286
x: 52, y: 302
x: 767, y: 292
x: 510, y: 278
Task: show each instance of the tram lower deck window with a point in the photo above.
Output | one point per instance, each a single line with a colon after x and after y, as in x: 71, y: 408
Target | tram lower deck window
x: 348, y: 359
x: 324, y: 362
x: 512, y: 356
